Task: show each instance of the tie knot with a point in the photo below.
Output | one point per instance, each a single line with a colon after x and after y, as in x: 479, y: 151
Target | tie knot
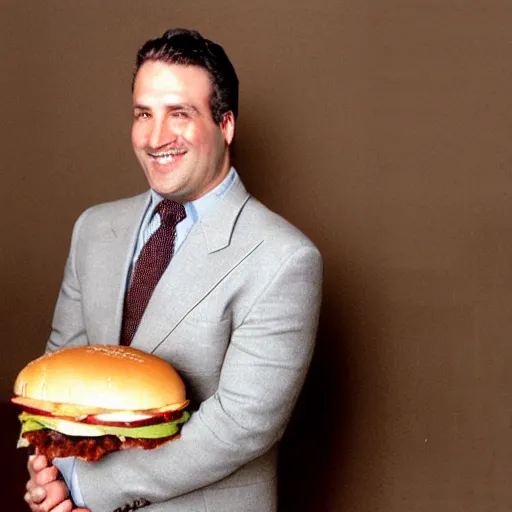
x: 170, y: 212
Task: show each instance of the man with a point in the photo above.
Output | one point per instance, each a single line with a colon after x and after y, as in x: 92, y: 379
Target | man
x: 235, y: 311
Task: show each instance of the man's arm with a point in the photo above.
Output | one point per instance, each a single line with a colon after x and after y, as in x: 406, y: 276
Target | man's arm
x: 68, y: 326
x: 263, y: 372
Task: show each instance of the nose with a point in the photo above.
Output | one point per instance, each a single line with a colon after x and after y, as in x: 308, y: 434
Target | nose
x: 160, y: 134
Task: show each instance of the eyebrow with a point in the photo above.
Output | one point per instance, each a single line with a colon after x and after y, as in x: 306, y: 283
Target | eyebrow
x: 172, y: 108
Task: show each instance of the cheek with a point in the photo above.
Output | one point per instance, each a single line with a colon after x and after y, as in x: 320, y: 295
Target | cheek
x: 138, y: 137
x: 200, y: 134
x: 208, y: 142
x: 190, y: 134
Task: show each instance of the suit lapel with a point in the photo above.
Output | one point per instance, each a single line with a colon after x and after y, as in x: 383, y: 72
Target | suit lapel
x: 120, y: 242
x: 206, y: 257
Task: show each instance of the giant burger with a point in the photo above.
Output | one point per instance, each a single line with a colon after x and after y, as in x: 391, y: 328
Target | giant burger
x: 89, y: 401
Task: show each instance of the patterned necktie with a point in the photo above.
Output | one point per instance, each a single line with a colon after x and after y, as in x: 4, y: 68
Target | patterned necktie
x: 153, y: 260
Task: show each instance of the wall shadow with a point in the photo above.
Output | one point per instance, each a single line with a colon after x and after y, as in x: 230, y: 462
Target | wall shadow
x: 15, y: 473
x: 328, y: 443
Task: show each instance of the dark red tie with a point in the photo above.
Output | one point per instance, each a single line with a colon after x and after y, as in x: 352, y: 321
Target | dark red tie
x: 153, y: 260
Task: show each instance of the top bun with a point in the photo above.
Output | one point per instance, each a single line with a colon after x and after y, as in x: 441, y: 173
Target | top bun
x: 102, y: 376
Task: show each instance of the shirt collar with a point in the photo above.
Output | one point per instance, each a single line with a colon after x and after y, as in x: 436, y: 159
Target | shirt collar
x: 195, y: 209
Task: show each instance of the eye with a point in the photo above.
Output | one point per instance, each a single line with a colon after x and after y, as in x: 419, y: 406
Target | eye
x: 141, y: 115
x: 180, y: 114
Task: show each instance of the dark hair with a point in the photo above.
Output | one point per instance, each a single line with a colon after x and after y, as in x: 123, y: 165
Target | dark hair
x: 190, y: 48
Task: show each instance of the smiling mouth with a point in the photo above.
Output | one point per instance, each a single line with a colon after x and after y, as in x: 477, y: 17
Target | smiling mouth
x: 167, y: 156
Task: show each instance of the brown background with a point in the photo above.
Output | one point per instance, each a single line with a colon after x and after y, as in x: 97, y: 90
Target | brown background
x: 380, y: 128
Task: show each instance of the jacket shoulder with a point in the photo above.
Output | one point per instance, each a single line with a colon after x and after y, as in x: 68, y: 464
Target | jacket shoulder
x: 273, y: 226
x: 115, y: 208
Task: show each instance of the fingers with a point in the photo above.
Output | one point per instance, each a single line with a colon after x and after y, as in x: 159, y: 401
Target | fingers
x: 41, y: 474
x: 45, y: 492
x: 36, y: 463
x: 52, y: 497
x: 43, y: 477
x: 34, y: 495
x: 65, y: 506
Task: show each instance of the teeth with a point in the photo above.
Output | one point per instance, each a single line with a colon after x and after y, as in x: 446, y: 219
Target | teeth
x: 168, y: 154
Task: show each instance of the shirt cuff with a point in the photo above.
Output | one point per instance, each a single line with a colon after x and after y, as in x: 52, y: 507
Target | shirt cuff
x: 66, y: 466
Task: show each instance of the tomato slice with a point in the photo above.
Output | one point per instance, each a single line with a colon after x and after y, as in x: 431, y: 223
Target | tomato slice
x: 101, y: 416
x: 139, y: 420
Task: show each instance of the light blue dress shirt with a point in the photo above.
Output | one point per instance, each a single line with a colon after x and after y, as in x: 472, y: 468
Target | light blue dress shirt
x: 150, y: 223
x: 194, y: 210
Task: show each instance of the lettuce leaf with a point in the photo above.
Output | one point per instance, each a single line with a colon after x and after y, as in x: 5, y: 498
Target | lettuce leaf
x: 32, y: 422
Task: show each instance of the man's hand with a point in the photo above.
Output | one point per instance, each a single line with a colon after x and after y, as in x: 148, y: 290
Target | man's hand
x: 45, y: 492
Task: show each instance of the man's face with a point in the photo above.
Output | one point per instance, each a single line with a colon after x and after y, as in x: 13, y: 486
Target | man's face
x: 183, y: 152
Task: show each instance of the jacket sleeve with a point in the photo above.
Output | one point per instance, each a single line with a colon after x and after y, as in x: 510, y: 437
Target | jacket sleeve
x: 68, y: 325
x: 262, y: 374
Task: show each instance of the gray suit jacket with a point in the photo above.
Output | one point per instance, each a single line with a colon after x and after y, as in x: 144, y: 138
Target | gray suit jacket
x: 236, y: 313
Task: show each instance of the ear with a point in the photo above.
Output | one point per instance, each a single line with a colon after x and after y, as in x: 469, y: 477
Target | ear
x: 227, y: 127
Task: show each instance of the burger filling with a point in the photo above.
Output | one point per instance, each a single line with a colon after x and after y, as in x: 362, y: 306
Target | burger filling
x: 57, y: 437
